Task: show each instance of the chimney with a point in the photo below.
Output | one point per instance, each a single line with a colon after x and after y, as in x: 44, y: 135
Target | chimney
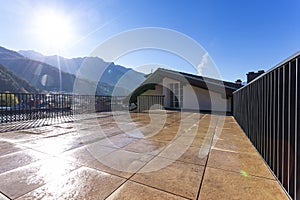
x: 238, y: 82
x: 252, y: 75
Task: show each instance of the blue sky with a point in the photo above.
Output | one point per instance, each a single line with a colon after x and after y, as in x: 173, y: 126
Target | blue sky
x: 239, y: 35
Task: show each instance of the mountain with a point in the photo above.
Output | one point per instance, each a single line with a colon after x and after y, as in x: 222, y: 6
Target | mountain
x: 92, y: 68
x: 9, y: 81
x: 49, y: 78
x: 67, y: 65
x: 41, y: 75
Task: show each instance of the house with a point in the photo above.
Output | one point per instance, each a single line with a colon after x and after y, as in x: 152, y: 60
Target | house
x: 170, y: 89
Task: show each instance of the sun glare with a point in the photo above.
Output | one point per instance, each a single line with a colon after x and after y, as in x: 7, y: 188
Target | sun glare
x: 53, y: 29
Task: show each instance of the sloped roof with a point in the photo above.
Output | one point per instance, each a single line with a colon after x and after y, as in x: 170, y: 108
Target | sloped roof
x: 215, y: 85
x: 192, y: 78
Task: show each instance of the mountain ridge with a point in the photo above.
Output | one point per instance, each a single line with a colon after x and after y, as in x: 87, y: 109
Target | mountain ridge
x: 49, y: 78
x: 10, y: 82
x: 110, y: 73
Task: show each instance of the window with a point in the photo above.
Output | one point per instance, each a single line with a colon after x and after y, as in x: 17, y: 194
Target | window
x: 176, y: 95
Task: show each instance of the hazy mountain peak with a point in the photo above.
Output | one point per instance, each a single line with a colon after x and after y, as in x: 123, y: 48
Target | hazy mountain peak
x: 30, y: 53
x: 91, y: 68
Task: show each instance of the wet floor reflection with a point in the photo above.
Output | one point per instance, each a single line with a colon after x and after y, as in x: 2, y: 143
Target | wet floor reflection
x: 84, y: 183
x: 20, y: 181
x: 159, y: 155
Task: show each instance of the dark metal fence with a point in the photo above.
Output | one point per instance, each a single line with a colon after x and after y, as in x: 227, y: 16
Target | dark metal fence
x: 22, y: 107
x: 267, y: 109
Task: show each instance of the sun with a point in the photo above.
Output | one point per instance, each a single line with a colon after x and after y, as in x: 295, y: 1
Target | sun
x: 53, y: 29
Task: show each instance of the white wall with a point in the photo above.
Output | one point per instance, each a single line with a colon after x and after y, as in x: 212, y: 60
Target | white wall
x: 195, y: 98
x: 220, y: 103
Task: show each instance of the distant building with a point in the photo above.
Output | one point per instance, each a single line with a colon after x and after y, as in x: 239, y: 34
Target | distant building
x: 253, y: 75
x: 183, y: 91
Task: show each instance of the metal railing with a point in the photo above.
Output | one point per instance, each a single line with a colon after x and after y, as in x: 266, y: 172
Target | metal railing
x: 267, y: 109
x: 24, y: 106
x: 147, y: 102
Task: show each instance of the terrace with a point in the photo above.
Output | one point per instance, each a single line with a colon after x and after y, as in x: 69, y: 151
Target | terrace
x: 93, y: 148
x: 150, y: 155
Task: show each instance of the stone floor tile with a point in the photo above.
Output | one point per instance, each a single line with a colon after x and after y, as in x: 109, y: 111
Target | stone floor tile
x: 55, y: 131
x: 230, y: 138
x: 145, y: 146
x: 184, y: 153
x: 172, y: 176
x: 121, y: 162
x: 8, y: 147
x: 145, y: 132
x: 84, y: 138
x: 83, y: 183
x: 19, y: 159
x: 239, y: 162
x: 126, y: 126
x: 194, y: 155
x: 3, y: 197
x: 17, y: 136
x: 234, y: 129
x: 86, y: 153
x: 111, y: 131
x: 22, y: 180
x: 97, y: 164
x: 191, y: 141
x: 221, y: 184
x: 55, y: 145
x: 166, y: 135
x: 117, y: 141
x: 82, y: 125
x: 135, y: 191
x: 244, y: 146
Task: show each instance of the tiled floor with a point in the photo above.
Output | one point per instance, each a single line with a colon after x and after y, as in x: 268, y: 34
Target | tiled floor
x: 161, y: 155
